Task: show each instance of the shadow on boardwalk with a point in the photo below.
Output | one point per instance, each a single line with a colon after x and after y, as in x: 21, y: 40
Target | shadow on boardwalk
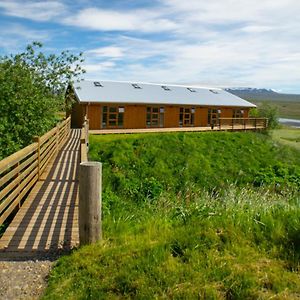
x: 47, y: 222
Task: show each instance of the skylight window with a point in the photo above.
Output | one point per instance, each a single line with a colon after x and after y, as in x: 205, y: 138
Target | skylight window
x: 136, y: 86
x: 166, y: 88
x: 97, y: 83
x: 214, y: 91
x: 191, y: 90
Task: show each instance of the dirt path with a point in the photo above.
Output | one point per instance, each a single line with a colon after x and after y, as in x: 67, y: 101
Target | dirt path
x: 23, y: 279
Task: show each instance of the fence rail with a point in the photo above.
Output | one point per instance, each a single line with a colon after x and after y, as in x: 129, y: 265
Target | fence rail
x: 21, y: 170
x: 84, y: 141
x: 242, y: 123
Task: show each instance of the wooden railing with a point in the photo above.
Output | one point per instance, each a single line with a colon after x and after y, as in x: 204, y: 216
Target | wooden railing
x: 84, y: 141
x: 242, y: 123
x: 21, y: 170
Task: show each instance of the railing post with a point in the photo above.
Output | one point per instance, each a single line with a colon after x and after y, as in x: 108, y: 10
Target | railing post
x: 255, y: 123
x: 244, y: 124
x: 57, y: 138
x: 38, y: 141
x: 232, y: 123
x: 220, y: 124
x: 90, y: 189
x: 87, y: 127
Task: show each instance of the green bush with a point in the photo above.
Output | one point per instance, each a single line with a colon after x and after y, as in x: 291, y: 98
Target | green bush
x: 32, y: 88
x: 269, y: 111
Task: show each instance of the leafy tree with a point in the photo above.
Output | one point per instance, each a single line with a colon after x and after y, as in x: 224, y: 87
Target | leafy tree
x: 32, y: 88
x: 269, y: 111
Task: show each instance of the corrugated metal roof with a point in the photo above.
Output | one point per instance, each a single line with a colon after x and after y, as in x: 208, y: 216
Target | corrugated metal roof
x: 148, y: 93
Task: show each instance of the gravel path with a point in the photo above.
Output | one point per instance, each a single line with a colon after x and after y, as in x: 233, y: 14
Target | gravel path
x: 23, y: 279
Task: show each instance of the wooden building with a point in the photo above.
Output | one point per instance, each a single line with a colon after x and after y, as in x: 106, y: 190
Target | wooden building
x: 114, y: 105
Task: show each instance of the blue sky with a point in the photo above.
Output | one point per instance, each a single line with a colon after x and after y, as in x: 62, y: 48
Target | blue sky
x: 212, y: 43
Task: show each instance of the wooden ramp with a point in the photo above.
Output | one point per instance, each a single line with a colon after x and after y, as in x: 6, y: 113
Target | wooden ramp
x: 47, y: 222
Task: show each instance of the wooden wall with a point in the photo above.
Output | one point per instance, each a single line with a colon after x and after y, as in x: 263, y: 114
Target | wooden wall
x: 78, y: 113
x: 171, y: 116
x: 94, y: 116
x: 135, y: 115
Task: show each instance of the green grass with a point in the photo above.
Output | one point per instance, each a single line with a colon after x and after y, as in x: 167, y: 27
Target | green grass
x: 288, y: 136
x: 184, y: 218
x: 140, y: 167
x: 286, y: 109
x: 241, y: 245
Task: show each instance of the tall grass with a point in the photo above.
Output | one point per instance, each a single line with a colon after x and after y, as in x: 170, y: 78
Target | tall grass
x: 189, y: 216
x: 243, y: 244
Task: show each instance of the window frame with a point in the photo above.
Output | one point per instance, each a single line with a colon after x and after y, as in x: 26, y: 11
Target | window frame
x: 112, y: 116
x: 155, y: 116
x: 187, y: 116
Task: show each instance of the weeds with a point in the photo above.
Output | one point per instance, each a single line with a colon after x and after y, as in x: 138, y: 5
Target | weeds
x: 190, y: 224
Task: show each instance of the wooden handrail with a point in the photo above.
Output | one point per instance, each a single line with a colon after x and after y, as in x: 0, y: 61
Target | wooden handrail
x: 243, y: 123
x: 21, y: 170
x: 84, y: 141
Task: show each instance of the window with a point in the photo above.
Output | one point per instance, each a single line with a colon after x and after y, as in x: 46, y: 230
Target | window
x: 155, y: 116
x: 136, y: 86
x: 166, y: 88
x: 186, y: 116
x: 112, y: 116
x: 97, y: 83
x: 237, y: 113
x: 192, y: 90
x: 213, y: 116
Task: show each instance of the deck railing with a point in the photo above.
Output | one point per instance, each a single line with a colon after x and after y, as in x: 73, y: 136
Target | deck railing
x: 242, y: 123
x: 21, y: 170
x: 84, y: 141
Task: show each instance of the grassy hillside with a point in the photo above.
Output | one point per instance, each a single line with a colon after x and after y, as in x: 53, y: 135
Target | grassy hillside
x: 286, y: 109
x: 187, y: 216
x: 143, y: 166
x: 288, y: 104
x: 287, y: 136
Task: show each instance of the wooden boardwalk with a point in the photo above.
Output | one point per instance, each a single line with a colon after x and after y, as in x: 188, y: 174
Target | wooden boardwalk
x: 176, y: 129
x: 47, y: 222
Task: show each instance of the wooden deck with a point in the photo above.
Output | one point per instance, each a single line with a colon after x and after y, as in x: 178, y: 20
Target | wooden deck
x: 177, y: 129
x: 47, y: 222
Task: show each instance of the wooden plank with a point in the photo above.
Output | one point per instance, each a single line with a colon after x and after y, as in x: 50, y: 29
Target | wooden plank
x: 47, y: 145
x: 47, y: 135
x: 48, y: 152
x: 16, y: 170
x: 14, y: 204
x: 29, y: 175
x: 16, y: 182
x: 25, y: 235
x: 11, y: 160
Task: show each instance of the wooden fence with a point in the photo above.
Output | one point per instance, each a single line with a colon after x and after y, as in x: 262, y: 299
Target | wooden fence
x: 242, y: 123
x: 84, y: 141
x: 21, y: 170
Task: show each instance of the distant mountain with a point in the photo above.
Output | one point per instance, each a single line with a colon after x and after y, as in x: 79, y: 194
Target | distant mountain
x: 259, y: 95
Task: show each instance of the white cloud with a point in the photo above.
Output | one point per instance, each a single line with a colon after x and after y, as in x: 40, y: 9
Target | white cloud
x: 98, y: 67
x: 113, y: 52
x: 33, y: 10
x: 229, y: 42
x: 110, y: 20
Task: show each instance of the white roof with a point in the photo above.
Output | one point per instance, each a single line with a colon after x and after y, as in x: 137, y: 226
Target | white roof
x: 149, y: 93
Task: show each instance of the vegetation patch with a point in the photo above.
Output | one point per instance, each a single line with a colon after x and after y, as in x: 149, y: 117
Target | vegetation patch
x: 287, y: 136
x: 241, y: 245
x: 185, y: 217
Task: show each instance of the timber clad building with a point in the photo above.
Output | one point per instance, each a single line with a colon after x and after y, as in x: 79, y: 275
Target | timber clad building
x: 115, y: 105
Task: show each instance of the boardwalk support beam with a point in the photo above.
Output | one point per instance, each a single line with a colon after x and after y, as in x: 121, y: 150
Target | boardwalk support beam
x: 90, y: 189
